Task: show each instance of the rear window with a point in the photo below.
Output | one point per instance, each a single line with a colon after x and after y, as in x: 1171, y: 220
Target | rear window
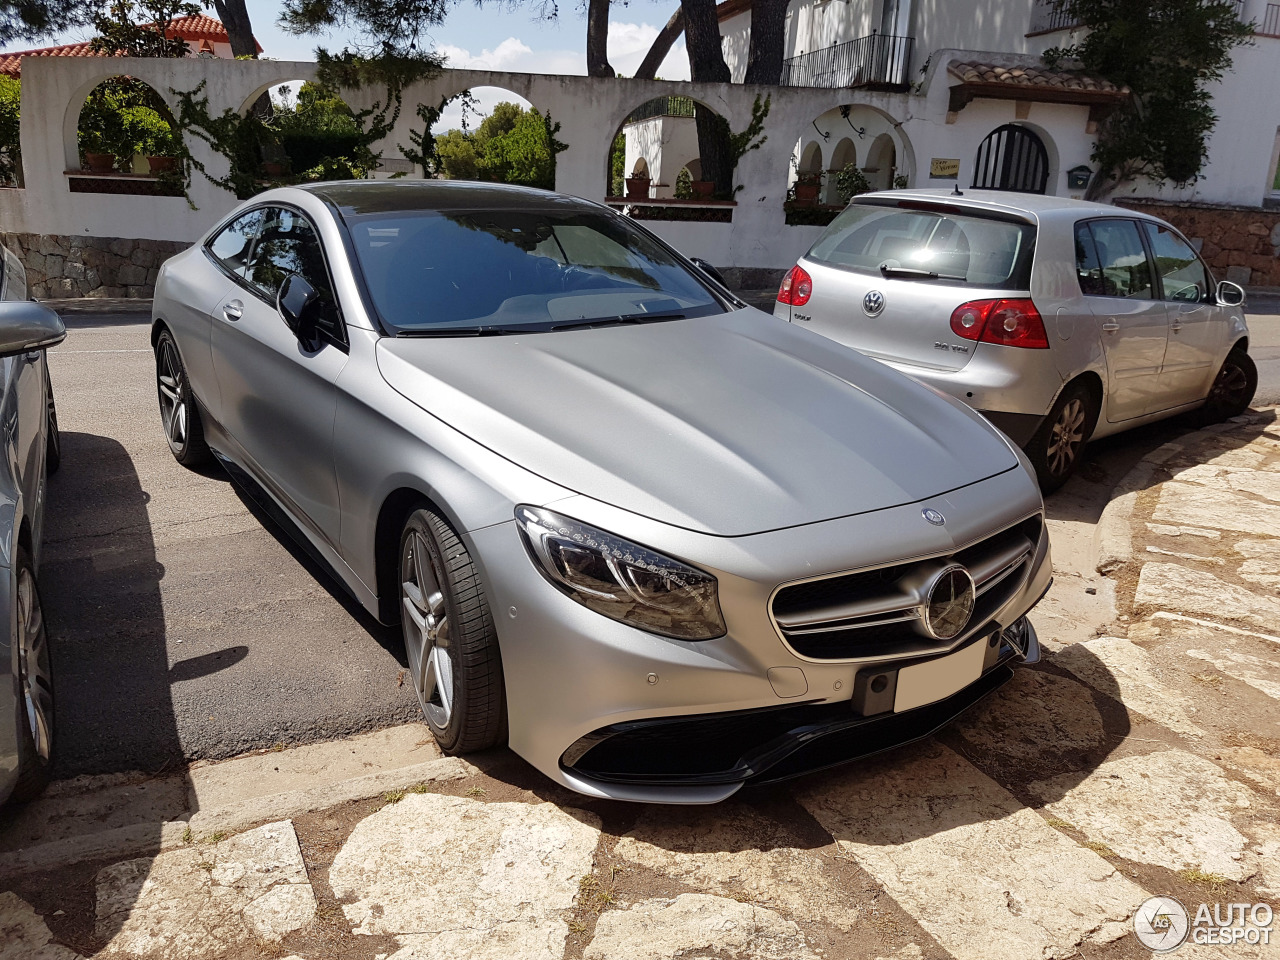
x: 929, y: 245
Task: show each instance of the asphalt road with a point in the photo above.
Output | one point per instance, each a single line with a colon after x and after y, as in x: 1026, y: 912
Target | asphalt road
x: 1263, y: 315
x: 183, y: 624
x: 186, y: 625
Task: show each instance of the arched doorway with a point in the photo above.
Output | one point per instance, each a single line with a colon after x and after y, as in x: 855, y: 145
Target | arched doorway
x: 1012, y: 157
x: 882, y: 163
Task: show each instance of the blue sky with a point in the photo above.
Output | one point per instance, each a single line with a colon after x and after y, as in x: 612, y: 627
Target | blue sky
x: 498, y: 36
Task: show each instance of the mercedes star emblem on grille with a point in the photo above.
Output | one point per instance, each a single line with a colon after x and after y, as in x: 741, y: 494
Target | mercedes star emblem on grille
x: 948, y: 604
x: 933, y: 516
x: 873, y: 303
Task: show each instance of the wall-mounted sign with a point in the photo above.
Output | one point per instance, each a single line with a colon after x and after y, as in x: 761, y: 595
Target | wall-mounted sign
x: 943, y: 169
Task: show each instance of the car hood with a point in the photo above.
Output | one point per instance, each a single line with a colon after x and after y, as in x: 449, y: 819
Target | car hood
x: 729, y: 425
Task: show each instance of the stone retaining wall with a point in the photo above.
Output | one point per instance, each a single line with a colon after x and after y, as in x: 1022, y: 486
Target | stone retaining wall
x: 62, y: 266
x: 1241, y: 244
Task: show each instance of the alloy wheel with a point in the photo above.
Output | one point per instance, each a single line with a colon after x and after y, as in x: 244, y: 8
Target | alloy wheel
x: 427, y: 631
x: 1230, y: 386
x: 173, y: 394
x: 1066, y: 437
x: 36, y: 674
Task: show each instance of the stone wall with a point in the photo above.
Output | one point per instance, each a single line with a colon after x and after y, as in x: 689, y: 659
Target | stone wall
x: 62, y: 266
x: 1241, y: 244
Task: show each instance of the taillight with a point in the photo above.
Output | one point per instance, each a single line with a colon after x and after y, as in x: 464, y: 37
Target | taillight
x: 797, y: 287
x: 1010, y: 323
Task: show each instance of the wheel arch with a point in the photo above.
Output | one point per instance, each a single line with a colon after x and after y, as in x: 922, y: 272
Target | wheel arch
x: 394, y: 512
x: 1092, y: 383
x: 1241, y: 344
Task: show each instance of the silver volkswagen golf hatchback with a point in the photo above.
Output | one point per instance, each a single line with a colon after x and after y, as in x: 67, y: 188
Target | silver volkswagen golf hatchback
x: 660, y: 542
x: 1060, y: 320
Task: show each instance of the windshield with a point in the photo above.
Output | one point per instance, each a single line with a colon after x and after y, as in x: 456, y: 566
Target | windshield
x: 928, y: 244
x: 434, y: 272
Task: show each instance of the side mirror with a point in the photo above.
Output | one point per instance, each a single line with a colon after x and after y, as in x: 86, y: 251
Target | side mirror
x: 299, y: 305
x: 709, y: 270
x: 1230, y: 294
x: 27, y: 325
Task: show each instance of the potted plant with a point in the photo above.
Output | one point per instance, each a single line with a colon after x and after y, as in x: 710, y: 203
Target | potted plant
x: 98, y: 155
x: 638, y: 186
x: 702, y: 189
x: 161, y: 148
x: 807, y: 187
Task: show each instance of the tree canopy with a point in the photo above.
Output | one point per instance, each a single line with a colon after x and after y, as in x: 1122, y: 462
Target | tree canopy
x: 511, y: 145
x: 1166, y: 52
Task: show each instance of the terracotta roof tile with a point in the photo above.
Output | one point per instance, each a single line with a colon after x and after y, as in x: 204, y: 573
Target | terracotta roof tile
x: 1025, y: 75
x: 191, y: 29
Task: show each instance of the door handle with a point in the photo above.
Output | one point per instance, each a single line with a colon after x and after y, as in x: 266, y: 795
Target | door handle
x: 1175, y: 326
x: 233, y: 310
x: 1111, y: 326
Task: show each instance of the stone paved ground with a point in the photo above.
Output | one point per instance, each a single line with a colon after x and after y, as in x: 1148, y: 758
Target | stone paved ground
x: 1144, y: 760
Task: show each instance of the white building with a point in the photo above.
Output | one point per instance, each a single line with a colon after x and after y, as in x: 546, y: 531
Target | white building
x: 972, y: 103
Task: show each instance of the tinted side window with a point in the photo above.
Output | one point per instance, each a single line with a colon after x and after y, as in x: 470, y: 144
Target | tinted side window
x: 1088, y: 269
x: 233, y: 245
x: 1182, y: 274
x: 289, y: 244
x: 1124, y: 270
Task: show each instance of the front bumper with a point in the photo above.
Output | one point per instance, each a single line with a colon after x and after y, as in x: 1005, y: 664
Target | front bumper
x: 573, y: 675
x: 778, y: 743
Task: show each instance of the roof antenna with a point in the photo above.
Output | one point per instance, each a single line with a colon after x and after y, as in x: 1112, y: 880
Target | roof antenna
x: 955, y: 191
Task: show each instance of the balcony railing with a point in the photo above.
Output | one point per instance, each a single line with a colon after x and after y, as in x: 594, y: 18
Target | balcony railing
x: 878, y: 60
x: 662, y: 107
x: 1050, y: 15
x: 1270, y: 25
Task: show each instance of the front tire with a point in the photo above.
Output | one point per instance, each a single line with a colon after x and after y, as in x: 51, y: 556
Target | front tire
x: 1232, y: 389
x: 1055, y: 450
x: 179, y: 413
x: 35, y: 688
x: 449, y: 637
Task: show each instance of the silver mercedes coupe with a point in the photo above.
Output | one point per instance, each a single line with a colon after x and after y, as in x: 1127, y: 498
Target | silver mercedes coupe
x: 662, y: 543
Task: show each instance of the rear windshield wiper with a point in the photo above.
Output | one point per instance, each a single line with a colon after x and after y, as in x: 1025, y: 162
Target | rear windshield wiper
x: 915, y: 273
x: 615, y: 321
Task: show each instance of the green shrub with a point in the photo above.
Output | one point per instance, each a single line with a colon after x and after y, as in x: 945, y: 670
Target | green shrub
x: 684, y: 184
x: 850, y: 182
x: 10, y: 130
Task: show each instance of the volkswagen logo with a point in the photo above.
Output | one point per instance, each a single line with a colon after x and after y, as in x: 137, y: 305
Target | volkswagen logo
x: 948, y: 602
x: 873, y: 303
x: 933, y: 516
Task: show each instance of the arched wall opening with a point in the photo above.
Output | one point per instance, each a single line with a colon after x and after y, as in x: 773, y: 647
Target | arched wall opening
x: 124, y: 126
x: 662, y: 131
x: 495, y: 135
x: 852, y: 135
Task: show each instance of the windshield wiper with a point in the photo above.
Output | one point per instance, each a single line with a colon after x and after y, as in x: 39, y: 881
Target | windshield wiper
x: 916, y: 273
x: 615, y: 321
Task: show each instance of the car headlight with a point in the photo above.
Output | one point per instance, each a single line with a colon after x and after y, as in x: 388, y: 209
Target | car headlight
x: 622, y: 580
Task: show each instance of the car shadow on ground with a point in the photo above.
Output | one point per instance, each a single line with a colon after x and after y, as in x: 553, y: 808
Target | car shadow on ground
x: 100, y: 582
x: 285, y: 531
x: 1109, y: 460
